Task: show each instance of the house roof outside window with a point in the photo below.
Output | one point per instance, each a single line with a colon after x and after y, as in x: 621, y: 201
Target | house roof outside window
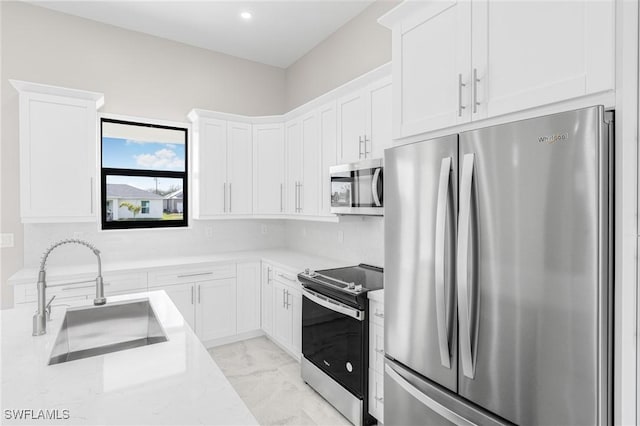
x: 120, y: 190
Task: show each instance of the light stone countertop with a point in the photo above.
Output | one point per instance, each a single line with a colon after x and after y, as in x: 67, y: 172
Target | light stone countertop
x: 288, y: 259
x: 174, y: 382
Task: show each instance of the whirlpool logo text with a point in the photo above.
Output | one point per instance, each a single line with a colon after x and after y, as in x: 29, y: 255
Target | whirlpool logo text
x: 551, y: 139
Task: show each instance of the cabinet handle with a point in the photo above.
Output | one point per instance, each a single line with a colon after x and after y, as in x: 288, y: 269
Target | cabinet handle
x: 91, y: 193
x: 230, y: 202
x: 300, y: 197
x: 476, y: 80
x: 224, y: 197
x: 199, y: 287
x: 380, y: 351
x: 197, y: 274
x: 281, y: 198
x: 192, y: 295
x: 283, y: 299
x: 269, y: 277
x: 287, y: 304
x: 286, y: 277
x: 84, y: 286
x: 379, y: 315
x: 380, y: 399
x: 460, y: 86
x: 365, y: 146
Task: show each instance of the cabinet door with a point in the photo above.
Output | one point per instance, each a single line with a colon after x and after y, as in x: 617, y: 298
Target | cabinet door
x: 351, y: 127
x: 210, y: 167
x: 216, y: 308
x: 431, y: 55
x: 309, y: 179
x: 248, y: 297
x: 282, y: 317
x: 57, y: 159
x: 239, y: 168
x: 327, y: 136
x: 530, y: 53
x: 295, y: 306
x: 293, y: 132
x: 379, y: 118
x: 267, y: 298
x: 268, y: 180
x: 183, y: 296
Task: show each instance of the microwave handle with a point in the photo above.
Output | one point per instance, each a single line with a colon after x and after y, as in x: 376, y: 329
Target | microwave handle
x: 374, y: 187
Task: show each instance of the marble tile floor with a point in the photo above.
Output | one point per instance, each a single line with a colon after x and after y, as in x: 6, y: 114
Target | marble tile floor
x: 268, y: 381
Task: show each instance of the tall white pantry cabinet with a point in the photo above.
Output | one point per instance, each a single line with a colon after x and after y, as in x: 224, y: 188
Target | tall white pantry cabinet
x: 460, y: 61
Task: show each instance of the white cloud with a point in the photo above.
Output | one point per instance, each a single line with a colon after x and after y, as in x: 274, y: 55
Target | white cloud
x: 162, y: 159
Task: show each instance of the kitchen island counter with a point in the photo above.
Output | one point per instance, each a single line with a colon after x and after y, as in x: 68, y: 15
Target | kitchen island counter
x: 174, y: 382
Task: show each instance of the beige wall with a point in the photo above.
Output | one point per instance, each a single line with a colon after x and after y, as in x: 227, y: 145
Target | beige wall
x: 139, y: 75
x: 356, y: 48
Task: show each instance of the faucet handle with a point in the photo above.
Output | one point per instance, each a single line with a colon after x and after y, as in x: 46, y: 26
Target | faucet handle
x: 47, y: 309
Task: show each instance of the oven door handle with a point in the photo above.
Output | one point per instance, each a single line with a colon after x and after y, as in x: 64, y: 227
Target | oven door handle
x: 374, y: 187
x: 333, y: 305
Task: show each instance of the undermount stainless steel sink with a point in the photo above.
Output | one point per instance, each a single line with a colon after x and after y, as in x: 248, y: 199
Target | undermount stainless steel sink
x: 98, y: 330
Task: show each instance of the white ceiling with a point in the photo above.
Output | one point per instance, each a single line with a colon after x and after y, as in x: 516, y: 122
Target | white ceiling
x: 279, y: 33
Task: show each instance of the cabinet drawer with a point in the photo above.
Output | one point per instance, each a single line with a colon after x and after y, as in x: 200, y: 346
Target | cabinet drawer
x: 82, y: 285
x: 285, y: 277
x: 190, y: 273
x: 376, y: 395
x: 376, y: 348
x: 376, y: 310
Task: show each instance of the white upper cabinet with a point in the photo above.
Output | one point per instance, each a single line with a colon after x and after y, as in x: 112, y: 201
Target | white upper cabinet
x: 351, y: 127
x: 527, y: 54
x: 458, y: 61
x: 379, y: 118
x: 327, y: 141
x: 268, y: 160
x: 364, y: 122
x: 239, y: 168
x: 223, y: 169
x: 58, y: 161
x: 303, y: 165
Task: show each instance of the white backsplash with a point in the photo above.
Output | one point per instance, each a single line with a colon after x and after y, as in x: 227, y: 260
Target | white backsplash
x: 353, y: 239
x: 202, y: 238
x: 356, y: 239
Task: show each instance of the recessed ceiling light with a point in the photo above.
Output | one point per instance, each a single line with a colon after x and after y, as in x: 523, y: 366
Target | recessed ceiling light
x: 246, y: 15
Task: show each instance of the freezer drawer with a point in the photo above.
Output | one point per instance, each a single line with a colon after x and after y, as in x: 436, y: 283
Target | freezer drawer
x: 412, y: 400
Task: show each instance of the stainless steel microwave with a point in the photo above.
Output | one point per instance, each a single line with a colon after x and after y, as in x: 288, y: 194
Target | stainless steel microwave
x: 356, y: 188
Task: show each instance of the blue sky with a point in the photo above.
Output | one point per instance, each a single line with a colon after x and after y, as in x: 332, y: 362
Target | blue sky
x: 129, y: 154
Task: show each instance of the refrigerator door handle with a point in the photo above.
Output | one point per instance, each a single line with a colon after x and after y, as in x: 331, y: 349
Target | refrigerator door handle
x: 425, y: 400
x: 464, y: 306
x: 440, y: 248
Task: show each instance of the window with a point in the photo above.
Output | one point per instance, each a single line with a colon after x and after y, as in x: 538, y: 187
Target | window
x: 144, y: 175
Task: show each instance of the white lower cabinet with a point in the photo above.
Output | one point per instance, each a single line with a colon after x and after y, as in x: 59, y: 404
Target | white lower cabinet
x: 216, y: 307
x: 376, y: 360
x: 282, y: 318
x: 267, y: 298
x: 248, y: 297
x: 204, y: 294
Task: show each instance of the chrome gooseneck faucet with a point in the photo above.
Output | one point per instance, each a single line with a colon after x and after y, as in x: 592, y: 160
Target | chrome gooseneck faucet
x: 40, y: 317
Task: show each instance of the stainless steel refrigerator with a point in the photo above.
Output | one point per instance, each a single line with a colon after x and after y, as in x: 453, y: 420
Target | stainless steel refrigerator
x: 498, y: 260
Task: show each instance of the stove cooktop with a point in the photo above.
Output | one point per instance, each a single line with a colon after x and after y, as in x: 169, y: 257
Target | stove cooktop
x: 348, y: 284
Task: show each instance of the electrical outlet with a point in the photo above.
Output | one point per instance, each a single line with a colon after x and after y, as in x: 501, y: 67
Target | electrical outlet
x: 6, y: 240
x: 341, y: 237
x: 264, y: 229
x: 208, y: 231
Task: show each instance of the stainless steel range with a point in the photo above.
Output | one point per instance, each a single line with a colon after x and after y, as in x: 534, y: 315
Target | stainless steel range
x: 335, y: 336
